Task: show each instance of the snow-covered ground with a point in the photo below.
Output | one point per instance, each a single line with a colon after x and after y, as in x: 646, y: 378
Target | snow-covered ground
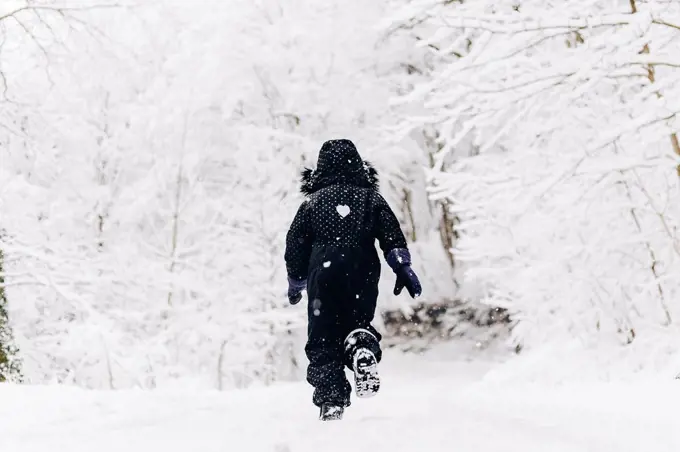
x: 424, y: 405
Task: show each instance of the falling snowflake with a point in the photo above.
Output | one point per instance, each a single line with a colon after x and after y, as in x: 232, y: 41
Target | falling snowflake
x: 327, y: 264
x: 317, y: 312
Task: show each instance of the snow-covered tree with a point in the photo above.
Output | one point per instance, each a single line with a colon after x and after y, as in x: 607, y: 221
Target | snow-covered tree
x: 146, y: 213
x: 32, y: 34
x: 10, y: 366
x: 559, y: 152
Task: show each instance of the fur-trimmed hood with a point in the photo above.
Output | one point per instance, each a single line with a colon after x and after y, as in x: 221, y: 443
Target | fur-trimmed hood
x: 339, y: 163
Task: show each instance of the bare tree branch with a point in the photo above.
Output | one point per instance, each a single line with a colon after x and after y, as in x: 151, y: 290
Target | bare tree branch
x: 666, y: 24
x: 57, y: 9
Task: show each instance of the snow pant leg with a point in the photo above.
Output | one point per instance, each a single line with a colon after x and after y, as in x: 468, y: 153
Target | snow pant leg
x: 342, y: 292
x: 356, y: 322
x: 324, y: 347
x: 326, y: 374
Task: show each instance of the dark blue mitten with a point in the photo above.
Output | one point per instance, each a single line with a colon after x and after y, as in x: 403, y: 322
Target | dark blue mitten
x: 399, y: 259
x: 295, y: 288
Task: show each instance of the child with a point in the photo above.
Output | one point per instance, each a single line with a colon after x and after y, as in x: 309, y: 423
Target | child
x: 330, y: 251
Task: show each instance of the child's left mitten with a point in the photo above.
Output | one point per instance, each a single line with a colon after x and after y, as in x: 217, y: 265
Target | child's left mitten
x: 295, y: 288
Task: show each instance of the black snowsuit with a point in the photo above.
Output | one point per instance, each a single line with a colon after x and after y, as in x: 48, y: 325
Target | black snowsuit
x: 331, y: 245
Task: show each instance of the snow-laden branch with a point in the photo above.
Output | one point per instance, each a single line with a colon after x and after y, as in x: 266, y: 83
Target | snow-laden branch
x: 511, y: 25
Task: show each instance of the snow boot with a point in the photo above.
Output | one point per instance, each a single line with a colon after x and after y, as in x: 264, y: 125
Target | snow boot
x: 366, y: 379
x: 330, y: 412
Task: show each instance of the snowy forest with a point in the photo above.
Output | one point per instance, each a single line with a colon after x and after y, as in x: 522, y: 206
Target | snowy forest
x: 150, y: 159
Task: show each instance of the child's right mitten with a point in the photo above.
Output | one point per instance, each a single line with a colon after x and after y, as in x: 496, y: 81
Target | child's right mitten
x: 399, y: 259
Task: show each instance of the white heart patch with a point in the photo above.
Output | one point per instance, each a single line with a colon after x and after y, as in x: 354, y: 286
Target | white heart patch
x: 343, y: 211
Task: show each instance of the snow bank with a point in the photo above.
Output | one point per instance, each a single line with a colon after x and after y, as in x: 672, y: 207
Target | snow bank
x: 424, y: 405
x: 651, y: 360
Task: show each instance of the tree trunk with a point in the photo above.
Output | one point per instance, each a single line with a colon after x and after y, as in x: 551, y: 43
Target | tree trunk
x: 447, y: 221
x: 176, y: 212
x: 651, y: 75
x: 676, y: 148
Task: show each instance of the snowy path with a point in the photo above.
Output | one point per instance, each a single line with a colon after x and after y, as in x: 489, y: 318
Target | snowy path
x: 422, y: 407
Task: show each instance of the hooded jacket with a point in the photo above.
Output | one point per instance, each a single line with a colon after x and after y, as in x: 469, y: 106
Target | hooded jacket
x: 344, y: 214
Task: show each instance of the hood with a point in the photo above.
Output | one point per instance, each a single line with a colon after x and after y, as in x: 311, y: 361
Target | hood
x: 339, y: 163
